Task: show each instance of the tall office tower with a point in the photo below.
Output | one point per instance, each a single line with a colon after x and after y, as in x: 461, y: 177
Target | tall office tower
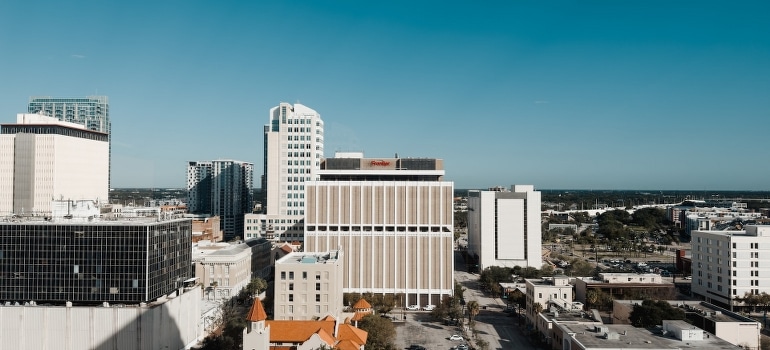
x: 93, y: 112
x: 504, y: 227
x: 42, y: 159
x: 222, y: 188
x: 394, y: 220
x: 294, y: 145
x: 728, y: 264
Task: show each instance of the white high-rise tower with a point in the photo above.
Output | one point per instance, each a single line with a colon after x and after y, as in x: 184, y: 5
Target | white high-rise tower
x: 293, y: 146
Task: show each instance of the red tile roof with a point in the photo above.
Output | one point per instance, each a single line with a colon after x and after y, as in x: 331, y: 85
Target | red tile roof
x: 257, y: 312
x: 362, y: 304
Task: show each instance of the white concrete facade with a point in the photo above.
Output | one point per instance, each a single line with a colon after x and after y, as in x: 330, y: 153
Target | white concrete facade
x: 222, y: 188
x: 171, y: 323
x: 42, y: 159
x: 308, y: 286
x: 504, y: 227
x: 293, y: 146
x: 545, y: 291
x: 728, y: 264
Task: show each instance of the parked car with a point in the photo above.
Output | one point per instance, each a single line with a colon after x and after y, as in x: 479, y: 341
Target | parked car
x: 413, y: 307
x: 455, y: 337
x: 462, y: 347
x: 416, y: 347
x: 429, y: 307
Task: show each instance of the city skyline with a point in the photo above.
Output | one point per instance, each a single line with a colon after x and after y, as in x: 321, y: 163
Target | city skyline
x: 600, y: 95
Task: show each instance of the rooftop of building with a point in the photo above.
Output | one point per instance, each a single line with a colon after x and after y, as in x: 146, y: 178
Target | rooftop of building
x: 707, y: 310
x: 625, y: 279
x: 615, y: 336
x: 91, y: 221
x: 309, y: 258
x: 206, y: 248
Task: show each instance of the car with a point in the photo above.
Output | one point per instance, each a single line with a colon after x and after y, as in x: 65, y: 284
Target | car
x: 455, y: 337
x: 416, y: 347
x: 429, y: 307
x: 688, y: 277
x: 462, y: 347
x: 413, y: 307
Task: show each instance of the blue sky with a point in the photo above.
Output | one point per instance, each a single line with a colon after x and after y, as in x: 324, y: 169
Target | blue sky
x: 558, y: 94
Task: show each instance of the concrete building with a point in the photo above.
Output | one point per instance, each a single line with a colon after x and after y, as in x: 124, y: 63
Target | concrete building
x: 393, y: 219
x: 308, y: 286
x: 90, y: 261
x: 221, y: 188
x: 92, y: 112
x: 504, y: 227
x: 728, y: 264
x: 42, y: 159
x: 172, y: 321
x: 226, y: 268
x: 673, y: 335
x: 206, y: 228
x: 542, y: 292
x: 730, y: 326
x: 625, y: 286
x: 294, y: 145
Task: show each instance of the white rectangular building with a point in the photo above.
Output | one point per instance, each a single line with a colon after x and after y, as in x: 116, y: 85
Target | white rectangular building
x: 504, y: 227
x: 728, y: 264
x: 42, y: 159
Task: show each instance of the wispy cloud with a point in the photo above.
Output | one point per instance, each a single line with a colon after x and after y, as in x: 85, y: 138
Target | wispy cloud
x: 77, y: 56
x: 540, y: 102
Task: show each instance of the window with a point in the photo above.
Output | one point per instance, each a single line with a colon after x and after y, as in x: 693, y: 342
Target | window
x: 317, y: 276
x: 291, y: 286
x: 291, y: 309
x: 291, y: 275
x: 291, y: 297
x: 283, y: 275
x: 317, y: 286
x: 318, y: 297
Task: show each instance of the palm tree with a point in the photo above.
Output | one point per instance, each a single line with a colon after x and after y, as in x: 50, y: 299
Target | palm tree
x: 538, y: 308
x: 473, y: 309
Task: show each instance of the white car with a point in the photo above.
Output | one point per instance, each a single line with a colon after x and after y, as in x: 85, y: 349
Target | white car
x: 455, y: 337
x: 429, y: 307
x: 462, y: 347
x: 413, y: 307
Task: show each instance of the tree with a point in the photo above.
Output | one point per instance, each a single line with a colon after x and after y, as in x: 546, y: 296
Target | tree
x: 473, y: 309
x: 255, y: 287
x: 482, y: 344
x: 651, y: 313
x: 381, y: 332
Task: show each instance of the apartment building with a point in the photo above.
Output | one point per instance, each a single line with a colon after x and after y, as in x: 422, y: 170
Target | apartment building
x: 308, y: 285
x: 541, y: 292
x: 728, y: 264
x: 293, y: 150
x: 226, y: 268
x: 221, y: 188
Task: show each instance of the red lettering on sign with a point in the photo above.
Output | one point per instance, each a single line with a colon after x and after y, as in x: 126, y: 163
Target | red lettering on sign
x: 379, y: 163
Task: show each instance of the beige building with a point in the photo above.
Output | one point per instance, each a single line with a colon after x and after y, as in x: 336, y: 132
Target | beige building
x: 672, y: 335
x: 206, y: 228
x: 308, y: 286
x: 542, y: 292
x: 225, y: 268
x: 625, y: 286
x: 42, y: 159
x: 393, y: 218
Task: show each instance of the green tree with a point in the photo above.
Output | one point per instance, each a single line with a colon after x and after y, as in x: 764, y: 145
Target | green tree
x: 651, y: 313
x: 381, y: 332
x: 482, y: 344
x: 255, y: 287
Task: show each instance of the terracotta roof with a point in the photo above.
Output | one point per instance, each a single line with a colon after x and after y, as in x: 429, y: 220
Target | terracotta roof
x: 348, y: 332
x: 257, y: 312
x: 362, y: 304
x: 328, y: 318
x: 326, y: 337
x: 285, y: 331
x: 347, y: 345
x: 287, y: 248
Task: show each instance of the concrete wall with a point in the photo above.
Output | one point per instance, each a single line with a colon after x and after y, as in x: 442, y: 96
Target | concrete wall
x: 173, y: 324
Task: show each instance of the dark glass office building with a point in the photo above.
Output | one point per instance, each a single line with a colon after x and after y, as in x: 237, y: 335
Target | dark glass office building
x: 93, y: 262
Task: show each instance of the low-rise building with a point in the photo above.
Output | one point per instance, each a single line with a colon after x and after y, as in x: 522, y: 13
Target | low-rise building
x: 673, y: 335
x: 226, y: 268
x: 308, y: 285
x: 734, y: 328
x: 542, y: 291
x: 624, y: 286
